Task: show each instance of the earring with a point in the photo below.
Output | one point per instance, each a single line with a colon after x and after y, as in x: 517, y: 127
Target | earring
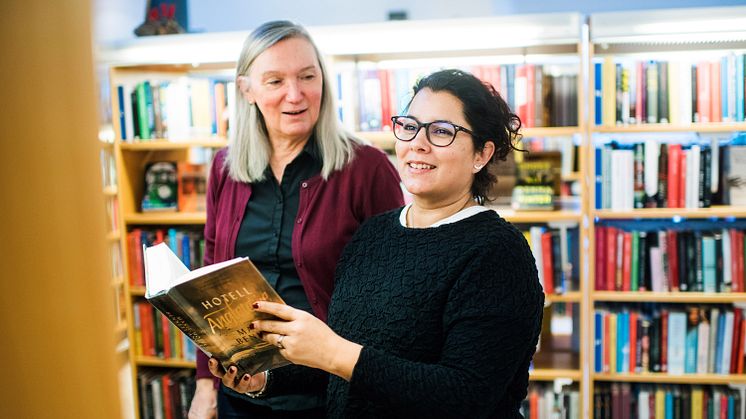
x: 478, y: 167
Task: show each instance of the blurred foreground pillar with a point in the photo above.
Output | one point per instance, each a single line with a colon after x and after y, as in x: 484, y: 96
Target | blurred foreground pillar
x: 56, y: 314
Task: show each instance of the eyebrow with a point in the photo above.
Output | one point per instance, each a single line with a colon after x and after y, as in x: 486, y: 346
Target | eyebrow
x: 271, y: 73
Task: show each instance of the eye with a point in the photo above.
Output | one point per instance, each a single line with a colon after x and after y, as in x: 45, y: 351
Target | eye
x: 409, y: 126
x: 308, y: 77
x: 273, y: 82
x: 442, y: 130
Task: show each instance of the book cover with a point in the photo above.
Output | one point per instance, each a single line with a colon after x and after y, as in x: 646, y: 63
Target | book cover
x: 160, y: 189
x: 213, y: 307
x: 192, y: 181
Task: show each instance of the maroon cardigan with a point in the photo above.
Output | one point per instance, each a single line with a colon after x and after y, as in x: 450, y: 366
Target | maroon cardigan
x: 329, y: 213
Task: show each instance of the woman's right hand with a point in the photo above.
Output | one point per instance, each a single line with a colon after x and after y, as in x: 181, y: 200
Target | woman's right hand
x: 204, y: 403
x: 247, y: 383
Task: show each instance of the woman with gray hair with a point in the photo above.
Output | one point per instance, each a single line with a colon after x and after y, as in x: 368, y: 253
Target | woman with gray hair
x: 289, y: 192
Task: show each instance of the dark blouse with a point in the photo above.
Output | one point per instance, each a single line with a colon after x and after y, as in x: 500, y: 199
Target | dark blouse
x: 265, y: 236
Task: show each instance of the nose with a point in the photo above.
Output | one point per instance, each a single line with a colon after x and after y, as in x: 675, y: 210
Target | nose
x: 420, y: 142
x: 294, y: 93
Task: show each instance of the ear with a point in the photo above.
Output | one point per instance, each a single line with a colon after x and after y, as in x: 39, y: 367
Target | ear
x: 481, y: 158
x: 244, y: 86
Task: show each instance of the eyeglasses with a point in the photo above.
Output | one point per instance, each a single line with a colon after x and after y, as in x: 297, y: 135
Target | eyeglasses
x: 438, y: 133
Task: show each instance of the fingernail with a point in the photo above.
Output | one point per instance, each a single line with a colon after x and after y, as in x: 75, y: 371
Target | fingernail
x: 246, y: 378
x: 255, y: 305
x: 232, y: 370
x: 251, y: 326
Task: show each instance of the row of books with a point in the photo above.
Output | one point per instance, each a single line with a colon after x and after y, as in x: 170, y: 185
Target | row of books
x: 676, y: 340
x: 646, y: 401
x: 156, y: 336
x: 678, y: 92
x: 188, y: 245
x: 177, y: 109
x: 108, y: 167
x: 560, y: 330
x: 668, y: 259
x: 541, y: 95
x: 544, y: 401
x: 174, y: 186
x: 652, y: 174
x: 112, y: 213
x: 556, y: 252
x: 165, y: 395
x: 115, y: 260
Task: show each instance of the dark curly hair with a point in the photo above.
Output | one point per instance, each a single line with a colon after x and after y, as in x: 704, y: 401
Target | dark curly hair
x: 488, y: 115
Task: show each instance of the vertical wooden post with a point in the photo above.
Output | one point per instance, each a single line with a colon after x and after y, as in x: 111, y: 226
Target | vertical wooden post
x: 56, y: 305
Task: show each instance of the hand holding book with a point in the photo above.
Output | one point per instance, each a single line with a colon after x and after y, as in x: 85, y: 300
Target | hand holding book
x: 212, y: 305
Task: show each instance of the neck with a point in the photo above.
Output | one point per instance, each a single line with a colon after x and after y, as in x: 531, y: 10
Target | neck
x: 284, y: 147
x: 284, y: 150
x: 424, y: 214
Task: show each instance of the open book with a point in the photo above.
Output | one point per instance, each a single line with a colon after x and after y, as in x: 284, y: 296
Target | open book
x: 212, y: 305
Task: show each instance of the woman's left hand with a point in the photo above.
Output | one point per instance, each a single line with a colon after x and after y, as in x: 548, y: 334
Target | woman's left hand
x: 305, y: 340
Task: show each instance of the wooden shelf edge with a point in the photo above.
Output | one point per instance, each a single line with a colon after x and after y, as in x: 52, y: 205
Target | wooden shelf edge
x: 149, y: 361
x: 672, y: 379
x: 550, y: 131
x: 165, y: 144
x: 668, y: 297
x: 166, y: 218
x: 137, y: 291
x: 110, y: 190
x: 696, y: 127
x: 544, y: 374
x: 515, y: 216
x: 568, y: 297
x: 712, y: 212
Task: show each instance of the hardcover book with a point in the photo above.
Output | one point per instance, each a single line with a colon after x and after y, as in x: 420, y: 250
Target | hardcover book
x: 212, y: 305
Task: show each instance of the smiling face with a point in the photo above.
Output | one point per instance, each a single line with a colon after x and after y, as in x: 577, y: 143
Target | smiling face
x: 439, y: 175
x: 285, y: 82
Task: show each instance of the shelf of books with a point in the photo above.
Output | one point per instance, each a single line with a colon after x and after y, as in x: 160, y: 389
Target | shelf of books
x: 668, y: 218
x: 172, y: 109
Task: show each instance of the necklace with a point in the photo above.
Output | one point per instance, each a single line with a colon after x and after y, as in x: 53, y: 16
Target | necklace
x: 410, y: 213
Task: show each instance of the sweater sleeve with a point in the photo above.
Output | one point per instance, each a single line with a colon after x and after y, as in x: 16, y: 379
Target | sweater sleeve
x: 213, y: 190
x: 382, y: 187
x: 491, y: 323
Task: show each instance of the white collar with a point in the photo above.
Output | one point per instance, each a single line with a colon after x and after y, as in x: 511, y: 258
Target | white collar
x: 463, y: 214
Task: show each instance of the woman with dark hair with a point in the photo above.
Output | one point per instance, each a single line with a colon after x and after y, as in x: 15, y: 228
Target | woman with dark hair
x: 289, y: 192
x: 437, y: 307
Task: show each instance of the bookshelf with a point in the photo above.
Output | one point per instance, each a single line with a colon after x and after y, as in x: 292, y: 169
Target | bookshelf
x: 625, y: 48
x: 556, y: 44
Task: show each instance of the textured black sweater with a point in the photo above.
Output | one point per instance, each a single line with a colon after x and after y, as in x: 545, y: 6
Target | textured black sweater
x: 448, y: 317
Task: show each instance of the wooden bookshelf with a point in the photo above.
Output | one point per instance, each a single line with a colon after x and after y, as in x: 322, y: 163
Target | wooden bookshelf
x: 659, y: 128
x: 110, y: 190
x: 148, y: 361
x: 669, y: 297
x: 712, y: 212
x: 164, y: 144
x: 632, y: 37
x: 664, y: 378
x: 515, y: 216
x: 567, y: 297
x: 165, y: 218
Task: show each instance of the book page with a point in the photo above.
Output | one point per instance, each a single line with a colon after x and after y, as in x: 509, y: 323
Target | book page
x: 162, y: 268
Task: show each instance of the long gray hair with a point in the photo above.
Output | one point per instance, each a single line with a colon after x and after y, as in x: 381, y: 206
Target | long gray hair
x: 249, y: 149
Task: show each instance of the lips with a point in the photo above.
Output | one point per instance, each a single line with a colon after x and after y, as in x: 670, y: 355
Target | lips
x: 293, y: 113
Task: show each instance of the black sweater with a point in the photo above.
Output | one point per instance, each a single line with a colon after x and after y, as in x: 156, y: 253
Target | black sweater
x: 448, y: 317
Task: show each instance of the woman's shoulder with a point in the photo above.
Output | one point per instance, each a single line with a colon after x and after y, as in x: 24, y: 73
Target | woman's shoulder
x: 367, y: 156
x: 497, y: 232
